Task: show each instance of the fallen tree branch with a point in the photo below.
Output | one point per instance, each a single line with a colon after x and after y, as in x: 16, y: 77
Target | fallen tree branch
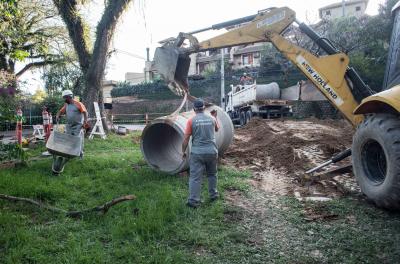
x: 74, y: 214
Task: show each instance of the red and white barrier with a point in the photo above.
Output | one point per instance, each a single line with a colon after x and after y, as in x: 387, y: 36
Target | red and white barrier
x: 18, y: 129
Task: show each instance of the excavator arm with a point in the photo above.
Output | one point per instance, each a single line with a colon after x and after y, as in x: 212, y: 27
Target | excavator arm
x: 330, y: 73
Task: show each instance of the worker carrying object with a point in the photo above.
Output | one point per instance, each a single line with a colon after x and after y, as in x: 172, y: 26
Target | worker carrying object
x: 204, y: 152
x: 77, y: 116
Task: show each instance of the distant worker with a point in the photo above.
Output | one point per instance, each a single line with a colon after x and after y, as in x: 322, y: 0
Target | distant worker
x: 204, y: 152
x: 76, y: 114
x: 46, y: 122
x: 246, y: 79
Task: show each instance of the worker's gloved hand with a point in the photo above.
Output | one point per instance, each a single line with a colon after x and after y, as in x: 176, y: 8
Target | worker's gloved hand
x: 214, y: 113
x: 86, y: 125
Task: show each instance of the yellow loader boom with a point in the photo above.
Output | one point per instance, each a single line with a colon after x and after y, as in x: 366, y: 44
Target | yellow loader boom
x: 340, y: 84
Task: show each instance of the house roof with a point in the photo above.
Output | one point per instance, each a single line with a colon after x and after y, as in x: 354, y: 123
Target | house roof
x: 347, y: 3
x: 249, y: 49
x: 109, y: 83
x: 339, y: 4
x: 215, y: 57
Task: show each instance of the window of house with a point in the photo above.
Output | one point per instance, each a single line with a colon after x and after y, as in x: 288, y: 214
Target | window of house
x: 247, y: 59
x: 358, y: 8
x: 328, y: 13
x: 202, y: 67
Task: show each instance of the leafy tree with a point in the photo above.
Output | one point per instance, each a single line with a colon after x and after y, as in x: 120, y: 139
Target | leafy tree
x: 63, y: 76
x: 8, y: 90
x: 29, y: 33
x: 38, y: 96
x: 53, y: 103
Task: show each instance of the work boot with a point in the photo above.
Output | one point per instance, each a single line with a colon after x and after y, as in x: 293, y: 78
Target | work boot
x: 192, y: 205
x: 213, y: 199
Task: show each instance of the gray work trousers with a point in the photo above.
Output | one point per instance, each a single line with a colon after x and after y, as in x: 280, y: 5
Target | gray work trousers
x: 199, y: 162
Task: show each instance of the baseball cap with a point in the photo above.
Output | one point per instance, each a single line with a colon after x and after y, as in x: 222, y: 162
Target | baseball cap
x: 66, y: 93
x: 198, y: 103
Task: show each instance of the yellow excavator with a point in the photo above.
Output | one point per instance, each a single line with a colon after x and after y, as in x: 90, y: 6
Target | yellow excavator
x: 376, y: 116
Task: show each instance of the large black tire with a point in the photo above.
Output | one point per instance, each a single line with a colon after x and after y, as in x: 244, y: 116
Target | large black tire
x: 376, y: 159
x: 242, y: 119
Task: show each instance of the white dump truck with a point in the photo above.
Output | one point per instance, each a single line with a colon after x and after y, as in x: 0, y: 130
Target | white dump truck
x: 248, y: 100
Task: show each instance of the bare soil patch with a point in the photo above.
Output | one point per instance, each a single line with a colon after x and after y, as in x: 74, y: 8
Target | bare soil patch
x: 278, y: 152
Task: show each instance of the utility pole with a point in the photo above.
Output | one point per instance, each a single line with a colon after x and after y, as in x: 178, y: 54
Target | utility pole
x: 222, y: 79
x: 343, y: 7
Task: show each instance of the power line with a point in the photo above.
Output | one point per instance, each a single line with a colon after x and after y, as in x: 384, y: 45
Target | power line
x: 130, y: 54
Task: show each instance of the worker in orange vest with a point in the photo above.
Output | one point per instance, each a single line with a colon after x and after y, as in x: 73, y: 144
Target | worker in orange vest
x: 77, y: 116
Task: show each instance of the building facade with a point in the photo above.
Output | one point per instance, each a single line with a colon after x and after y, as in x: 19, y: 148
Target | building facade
x: 239, y: 57
x: 135, y: 77
x: 107, y: 86
x: 346, y: 8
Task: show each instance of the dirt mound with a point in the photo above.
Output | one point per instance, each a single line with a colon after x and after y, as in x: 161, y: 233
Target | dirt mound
x: 260, y: 144
x: 288, y: 144
x: 278, y: 152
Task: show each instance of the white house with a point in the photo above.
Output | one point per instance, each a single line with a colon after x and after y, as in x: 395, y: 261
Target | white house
x: 351, y: 8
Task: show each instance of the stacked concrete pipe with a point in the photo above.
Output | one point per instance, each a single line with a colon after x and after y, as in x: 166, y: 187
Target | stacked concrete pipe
x: 161, y: 141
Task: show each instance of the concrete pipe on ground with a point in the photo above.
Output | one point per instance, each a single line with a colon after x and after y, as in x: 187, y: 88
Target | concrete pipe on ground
x: 161, y: 141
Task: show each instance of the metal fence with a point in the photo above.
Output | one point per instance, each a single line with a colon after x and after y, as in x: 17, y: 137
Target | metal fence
x: 116, y: 119
x: 135, y: 118
x: 9, y: 125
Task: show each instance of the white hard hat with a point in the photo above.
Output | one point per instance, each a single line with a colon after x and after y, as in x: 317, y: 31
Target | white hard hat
x: 67, y: 92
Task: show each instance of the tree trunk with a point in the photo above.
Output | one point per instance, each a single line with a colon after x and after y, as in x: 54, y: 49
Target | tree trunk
x: 5, y: 64
x: 94, y: 94
x: 92, y: 65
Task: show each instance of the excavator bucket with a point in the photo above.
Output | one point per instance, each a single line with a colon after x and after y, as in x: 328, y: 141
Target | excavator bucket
x: 173, y: 66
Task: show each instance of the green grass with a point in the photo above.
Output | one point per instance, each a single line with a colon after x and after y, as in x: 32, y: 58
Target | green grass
x: 159, y: 228
x: 155, y: 228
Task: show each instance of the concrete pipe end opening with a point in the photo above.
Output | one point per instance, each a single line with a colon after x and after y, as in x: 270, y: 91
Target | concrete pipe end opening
x: 161, y: 145
x: 161, y: 142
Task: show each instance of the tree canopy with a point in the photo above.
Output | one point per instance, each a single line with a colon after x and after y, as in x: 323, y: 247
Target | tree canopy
x: 30, y: 33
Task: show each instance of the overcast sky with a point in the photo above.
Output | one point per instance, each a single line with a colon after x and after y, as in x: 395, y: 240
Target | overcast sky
x: 147, y: 22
